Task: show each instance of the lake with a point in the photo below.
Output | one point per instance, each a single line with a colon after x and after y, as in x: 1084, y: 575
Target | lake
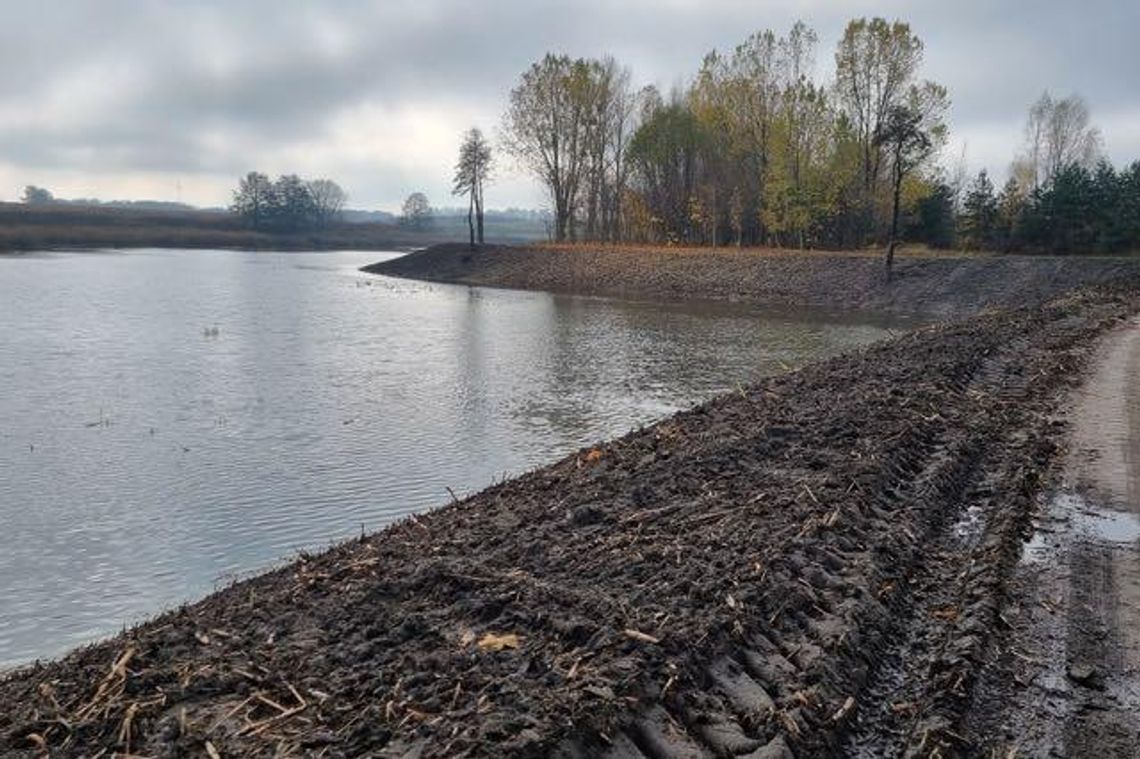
x: 173, y: 420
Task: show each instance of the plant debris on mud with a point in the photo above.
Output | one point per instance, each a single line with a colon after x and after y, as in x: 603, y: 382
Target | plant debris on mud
x: 734, y: 580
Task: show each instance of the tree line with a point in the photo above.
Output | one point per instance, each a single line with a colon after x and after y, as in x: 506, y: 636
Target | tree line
x: 289, y: 204
x: 755, y: 150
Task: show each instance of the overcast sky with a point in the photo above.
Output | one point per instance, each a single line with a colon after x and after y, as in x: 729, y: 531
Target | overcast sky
x: 134, y: 99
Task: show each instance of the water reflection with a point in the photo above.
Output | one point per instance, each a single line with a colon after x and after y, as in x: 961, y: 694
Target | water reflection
x: 326, y: 401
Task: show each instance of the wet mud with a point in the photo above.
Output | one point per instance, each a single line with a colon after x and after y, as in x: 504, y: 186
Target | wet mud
x: 817, y: 565
x: 1065, y: 680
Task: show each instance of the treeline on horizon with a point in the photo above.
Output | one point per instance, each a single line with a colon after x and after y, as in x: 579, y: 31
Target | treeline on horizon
x: 757, y: 151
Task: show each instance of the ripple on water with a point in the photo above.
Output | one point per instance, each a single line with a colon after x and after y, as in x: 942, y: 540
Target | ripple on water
x: 320, y: 406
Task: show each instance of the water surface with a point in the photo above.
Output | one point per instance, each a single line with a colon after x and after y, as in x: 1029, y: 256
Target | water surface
x: 173, y: 419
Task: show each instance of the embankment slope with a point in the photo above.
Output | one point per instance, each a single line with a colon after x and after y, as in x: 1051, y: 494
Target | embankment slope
x: 943, y: 285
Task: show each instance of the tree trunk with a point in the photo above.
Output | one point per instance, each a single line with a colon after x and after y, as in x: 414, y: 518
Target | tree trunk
x: 479, y: 213
x: 894, y: 219
x: 470, y: 223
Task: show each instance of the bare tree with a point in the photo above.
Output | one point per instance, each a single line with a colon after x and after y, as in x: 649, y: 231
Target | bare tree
x: 1058, y: 133
x: 416, y: 212
x: 328, y: 200
x: 472, y: 171
x: 255, y: 199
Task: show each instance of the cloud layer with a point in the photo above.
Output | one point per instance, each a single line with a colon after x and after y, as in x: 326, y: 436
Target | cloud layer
x: 135, y: 98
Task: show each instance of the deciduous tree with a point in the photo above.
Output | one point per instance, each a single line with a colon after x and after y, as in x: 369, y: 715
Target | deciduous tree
x: 328, y: 200
x: 416, y: 212
x: 472, y: 171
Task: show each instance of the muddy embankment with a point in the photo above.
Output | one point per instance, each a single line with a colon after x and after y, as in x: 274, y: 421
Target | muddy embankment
x: 812, y: 566
x: 950, y: 285
x: 1065, y: 678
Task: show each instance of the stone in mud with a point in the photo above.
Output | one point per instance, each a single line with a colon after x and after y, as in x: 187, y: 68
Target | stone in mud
x: 1084, y: 674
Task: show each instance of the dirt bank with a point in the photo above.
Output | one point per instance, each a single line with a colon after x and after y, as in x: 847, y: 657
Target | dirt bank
x: 814, y: 565
x: 928, y: 284
x: 1065, y: 679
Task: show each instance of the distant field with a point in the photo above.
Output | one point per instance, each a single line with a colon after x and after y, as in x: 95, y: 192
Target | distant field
x: 33, y: 227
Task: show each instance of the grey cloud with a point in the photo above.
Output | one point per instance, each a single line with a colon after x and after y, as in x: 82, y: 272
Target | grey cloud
x: 275, y: 72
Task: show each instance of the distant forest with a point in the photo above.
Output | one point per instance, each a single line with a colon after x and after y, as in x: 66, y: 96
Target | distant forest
x: 756, y: 151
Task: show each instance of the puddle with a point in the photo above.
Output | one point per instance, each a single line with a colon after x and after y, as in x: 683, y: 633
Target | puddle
x: 1079, y: 516
x: 1109, y: 526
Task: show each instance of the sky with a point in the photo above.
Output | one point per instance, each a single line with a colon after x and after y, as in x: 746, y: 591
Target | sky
x: 171, y: 100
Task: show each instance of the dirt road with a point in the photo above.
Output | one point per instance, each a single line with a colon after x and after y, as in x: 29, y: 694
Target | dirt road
x: 1066, y: 680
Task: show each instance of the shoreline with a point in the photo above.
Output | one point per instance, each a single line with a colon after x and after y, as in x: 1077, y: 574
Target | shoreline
x: 736, y: 575
x: 926, y: 284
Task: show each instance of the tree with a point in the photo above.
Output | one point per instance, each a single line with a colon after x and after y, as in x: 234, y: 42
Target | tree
x: 295, y: 208
x: 37, y: 195
x: 666, y: 160
x: 545, y: 130
x: 416, y: 212
x: 1010, y: 206
x: 876, y: 68
x: 875, y: 63
x: 255, y: 199
x: 980, y: 215
x: 935, y: 222
x: 909, y: 140
x: 328, y: 200
x: 472, y: 171
x: 1058, y: 133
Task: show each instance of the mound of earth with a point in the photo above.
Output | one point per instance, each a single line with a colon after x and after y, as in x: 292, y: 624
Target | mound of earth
x: 941, y: 285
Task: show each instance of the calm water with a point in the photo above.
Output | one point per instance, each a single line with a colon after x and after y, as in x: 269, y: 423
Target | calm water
x: 171, y: 419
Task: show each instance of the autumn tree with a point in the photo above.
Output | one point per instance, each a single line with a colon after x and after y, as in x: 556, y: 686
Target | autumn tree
x: 568, y: 124
x: 545, y: 130
x: 876, y: 82
x: 666, y: 156
x: 472, y: 171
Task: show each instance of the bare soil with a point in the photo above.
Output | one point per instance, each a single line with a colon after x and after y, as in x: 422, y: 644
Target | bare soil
x: 942, y: 285
x: 815, y: 565
x: 1064, y: 680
